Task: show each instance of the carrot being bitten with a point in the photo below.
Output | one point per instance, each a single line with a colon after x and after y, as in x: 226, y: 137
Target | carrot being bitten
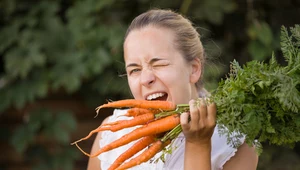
x: 133, y: 103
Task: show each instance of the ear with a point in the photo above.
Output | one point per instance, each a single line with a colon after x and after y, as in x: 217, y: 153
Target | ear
x: 196, y: 69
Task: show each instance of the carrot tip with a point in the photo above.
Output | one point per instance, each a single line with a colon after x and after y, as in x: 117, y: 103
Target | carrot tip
x: 73, y: 143
x: 97, y: 112
x: 82, y: 150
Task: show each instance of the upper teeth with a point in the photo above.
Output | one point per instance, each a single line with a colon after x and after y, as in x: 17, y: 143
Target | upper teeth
x: 154, y: 96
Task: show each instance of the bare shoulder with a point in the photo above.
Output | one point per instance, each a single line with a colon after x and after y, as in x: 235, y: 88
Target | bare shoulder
x: 94, y: 163
x: 245, y: 158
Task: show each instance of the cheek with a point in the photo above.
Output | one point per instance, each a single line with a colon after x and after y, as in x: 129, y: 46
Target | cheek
x: 174, y: 79
x: 167, y: 77
x: 134, y: 86
x: 177, y: 82
x: 175, y: 76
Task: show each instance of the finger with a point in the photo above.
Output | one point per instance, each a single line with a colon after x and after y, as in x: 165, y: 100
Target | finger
x: 194, y: 113
x: 184, y: 121
x: 212, y: 113
x: 203, y: 110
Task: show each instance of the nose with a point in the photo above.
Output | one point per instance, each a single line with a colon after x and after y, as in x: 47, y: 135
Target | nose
x: 147, y: 77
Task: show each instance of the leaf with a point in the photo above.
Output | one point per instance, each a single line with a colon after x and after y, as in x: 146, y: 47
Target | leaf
x: 8, y: 36
x: 40, y: 166
x: 228, y: 6
x: 257, y: 50
x: 29, y: 57
x: 99, y: 5
x: 265, y: 34
x: 6, y: 102
x: 21, y: 138
x: 67, y: 120
x: 60, y: 127
x: 215, y: 17
x: 268, y: 96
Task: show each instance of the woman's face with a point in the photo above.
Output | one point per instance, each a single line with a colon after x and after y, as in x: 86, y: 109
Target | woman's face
x: 156, y: 70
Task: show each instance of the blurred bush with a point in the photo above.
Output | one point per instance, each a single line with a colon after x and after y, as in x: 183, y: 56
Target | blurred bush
x: 75, y: 47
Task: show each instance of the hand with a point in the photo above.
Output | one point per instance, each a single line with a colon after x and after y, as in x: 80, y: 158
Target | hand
x: 198, y: 124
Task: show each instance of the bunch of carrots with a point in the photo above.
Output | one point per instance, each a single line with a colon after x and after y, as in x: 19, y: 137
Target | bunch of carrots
x: 159, y: 124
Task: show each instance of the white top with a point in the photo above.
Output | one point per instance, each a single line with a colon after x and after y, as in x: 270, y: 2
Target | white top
x: 220, y: 154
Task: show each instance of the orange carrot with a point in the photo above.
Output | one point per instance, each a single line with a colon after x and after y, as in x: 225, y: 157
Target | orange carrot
x: 133, y: 112
x: 139, y: 120
x: 144, y: 156
x: 121, y: 124
x: 139, y: 111
x: 112, y: 123
x: 155, y: 127
x: 155, y: 104
x: 138, y: 146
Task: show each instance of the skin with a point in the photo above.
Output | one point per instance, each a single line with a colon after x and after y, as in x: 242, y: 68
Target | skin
x: 150, y: 57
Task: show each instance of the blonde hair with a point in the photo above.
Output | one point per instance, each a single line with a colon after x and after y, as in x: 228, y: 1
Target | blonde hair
x: 187, y: 39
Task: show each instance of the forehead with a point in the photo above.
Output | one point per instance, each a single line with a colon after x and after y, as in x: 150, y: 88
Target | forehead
x: 150, y: 34
x: 151, y: 40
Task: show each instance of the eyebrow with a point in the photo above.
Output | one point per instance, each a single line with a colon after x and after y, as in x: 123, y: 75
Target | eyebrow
x: 132, y: 65
x: 153, y: 60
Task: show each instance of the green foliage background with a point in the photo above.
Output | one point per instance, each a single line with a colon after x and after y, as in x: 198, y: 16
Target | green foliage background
x: 74, y: 45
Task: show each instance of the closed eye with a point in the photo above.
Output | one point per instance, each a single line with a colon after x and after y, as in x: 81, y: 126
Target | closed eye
x: 158, y: 62
x: 160, y: 65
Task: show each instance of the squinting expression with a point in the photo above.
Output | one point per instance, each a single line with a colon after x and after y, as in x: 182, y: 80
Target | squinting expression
x: 156, y: 70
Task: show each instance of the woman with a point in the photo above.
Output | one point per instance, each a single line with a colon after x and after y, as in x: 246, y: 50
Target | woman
x: 164, y: 60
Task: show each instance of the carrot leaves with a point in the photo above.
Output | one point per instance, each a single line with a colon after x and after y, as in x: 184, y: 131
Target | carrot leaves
x: 262, y: 100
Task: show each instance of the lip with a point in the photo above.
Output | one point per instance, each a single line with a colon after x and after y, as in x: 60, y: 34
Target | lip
x: 145, y: 96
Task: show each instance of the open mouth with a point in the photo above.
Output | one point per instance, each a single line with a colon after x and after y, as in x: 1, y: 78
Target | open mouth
x: 157, y: 96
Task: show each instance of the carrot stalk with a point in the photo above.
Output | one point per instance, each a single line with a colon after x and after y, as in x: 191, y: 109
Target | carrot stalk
x: 138, y: 146
x: 156, y: 127
x: 144, y: 156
